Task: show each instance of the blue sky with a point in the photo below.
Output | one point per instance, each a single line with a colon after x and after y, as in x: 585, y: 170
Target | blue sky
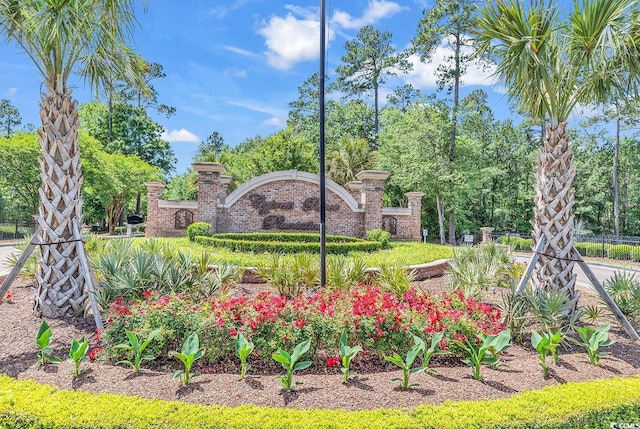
x: 234, y: 66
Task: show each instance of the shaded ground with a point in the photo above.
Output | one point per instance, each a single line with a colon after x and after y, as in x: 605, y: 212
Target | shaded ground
x: 320, y: 389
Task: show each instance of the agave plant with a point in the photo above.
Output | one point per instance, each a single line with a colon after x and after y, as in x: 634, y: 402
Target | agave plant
x: 343, y: 273
x: 396, y: 279
x: 624, y: 289
x: 476, y: 269
x: 552, y: 309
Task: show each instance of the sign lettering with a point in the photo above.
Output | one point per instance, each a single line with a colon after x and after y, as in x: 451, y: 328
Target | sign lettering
x: 271, y: 221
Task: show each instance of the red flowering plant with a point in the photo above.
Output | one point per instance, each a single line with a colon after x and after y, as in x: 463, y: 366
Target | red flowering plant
x: 9, y: 297
x: 377, y: 321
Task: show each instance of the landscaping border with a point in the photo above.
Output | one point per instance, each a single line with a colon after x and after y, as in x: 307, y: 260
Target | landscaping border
x: 26, y: 404
x: 421, y: 271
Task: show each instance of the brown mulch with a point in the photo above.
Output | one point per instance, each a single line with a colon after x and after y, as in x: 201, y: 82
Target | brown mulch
x: 320, y: 389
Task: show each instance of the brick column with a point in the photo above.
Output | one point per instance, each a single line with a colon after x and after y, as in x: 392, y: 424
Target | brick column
x: 486, y: 234
x: 415, y: 204
x: 355, y: 189
x: 225, y: 181
x: 208, y: 191
x: 154, y: 192
x: 372, y: 188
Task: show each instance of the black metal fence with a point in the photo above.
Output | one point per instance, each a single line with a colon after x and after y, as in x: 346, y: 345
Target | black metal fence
x: 15, y: 229
x: 624, y: 248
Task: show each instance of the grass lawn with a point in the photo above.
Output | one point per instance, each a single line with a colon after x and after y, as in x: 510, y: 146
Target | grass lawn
x: 403, y: 253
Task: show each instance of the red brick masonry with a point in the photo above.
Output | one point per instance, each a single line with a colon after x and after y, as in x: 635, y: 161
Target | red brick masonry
x: 283, y: 201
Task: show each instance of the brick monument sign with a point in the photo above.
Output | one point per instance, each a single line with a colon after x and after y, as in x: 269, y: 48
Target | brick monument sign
x: 283, y: 201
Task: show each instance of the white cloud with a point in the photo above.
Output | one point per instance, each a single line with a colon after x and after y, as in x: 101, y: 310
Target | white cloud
x: 290, y: 40
x: 296, y: 37
x: 240, y: 51
x: 275, y: 122
x: 11, y: 91
x: 181, y: 135
x: 235, y: 72
x: 376, y: 10
x: 223, y: 11
x: 423, y: 74
x: 259, y: 106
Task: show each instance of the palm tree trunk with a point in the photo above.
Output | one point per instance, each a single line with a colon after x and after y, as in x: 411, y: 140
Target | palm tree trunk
x: 61, y: 281
x: 616, y: 198
x: 553, y: 212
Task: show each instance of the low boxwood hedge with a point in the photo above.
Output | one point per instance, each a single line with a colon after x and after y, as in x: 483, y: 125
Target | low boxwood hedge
x: 592, y: 404
x: 516, y: 243
x: 286, y: 237
x: 287, y: 243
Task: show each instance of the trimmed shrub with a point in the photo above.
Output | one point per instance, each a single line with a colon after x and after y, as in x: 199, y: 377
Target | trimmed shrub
x: 285, y: 237
x: 26, y: 404
x: 516, y: 243
x: 619, y: 251
x: 333, y: 247
x: 379, y: 235
x: 199, y: 229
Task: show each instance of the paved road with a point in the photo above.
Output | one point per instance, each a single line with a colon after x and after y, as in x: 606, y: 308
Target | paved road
x: 603, y: 272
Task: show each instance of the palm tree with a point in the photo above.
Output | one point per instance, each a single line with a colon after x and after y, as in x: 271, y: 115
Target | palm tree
x: 549, y: 66
x: 61, y: 37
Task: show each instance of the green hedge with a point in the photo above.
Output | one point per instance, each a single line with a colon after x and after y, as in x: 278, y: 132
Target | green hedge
x: 516, y: 243
x: 286, y: 237
x: 197, y: 229
x: 593, y: 404
x: 593, y: 250
x: 338, y: 248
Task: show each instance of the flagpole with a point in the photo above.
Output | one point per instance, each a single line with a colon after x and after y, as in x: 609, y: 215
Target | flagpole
x: 323, y: 247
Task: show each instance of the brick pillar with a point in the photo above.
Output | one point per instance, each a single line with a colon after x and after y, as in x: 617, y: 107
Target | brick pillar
x: 154, y: 192
x: 208, y: 191
x: 486, y: 234
x: 415, y: 204
x: 372, y: 188
x: 225, y: 181
x: 355, y: 189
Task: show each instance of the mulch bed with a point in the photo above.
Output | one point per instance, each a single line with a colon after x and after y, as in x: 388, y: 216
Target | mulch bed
x: 321, y: 388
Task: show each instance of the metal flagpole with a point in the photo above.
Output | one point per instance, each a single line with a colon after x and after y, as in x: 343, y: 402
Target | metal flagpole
x: 323, y: 249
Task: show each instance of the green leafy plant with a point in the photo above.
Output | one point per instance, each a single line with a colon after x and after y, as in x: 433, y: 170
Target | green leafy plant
x: 347, y: 354
x: 592, y: 339
x: 243, y: 350
x: 514, y: 308
x: 191, y: 352
x: 545, y: 344
x: 624, y: 289
x: 199, y: 229
x: 434, y: 349
x: 226, y: 276
x: 407, y: 363
x: 484, y: 352
x: 43, y: 340
x: 291, y: 276
x: 137, y: 348
x: 290, y: 362
x: 553, y: 309
x: 476, y: 269
x: 381, y: 236
x: 396, y: 279
x: 343, y: 273
x: 78, y: 354
x: 592, y: 312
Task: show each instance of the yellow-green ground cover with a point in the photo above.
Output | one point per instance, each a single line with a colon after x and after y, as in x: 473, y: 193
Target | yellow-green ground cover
x: 593, y: 404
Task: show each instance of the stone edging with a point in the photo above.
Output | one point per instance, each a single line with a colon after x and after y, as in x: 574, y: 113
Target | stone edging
x: 422, y: 271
